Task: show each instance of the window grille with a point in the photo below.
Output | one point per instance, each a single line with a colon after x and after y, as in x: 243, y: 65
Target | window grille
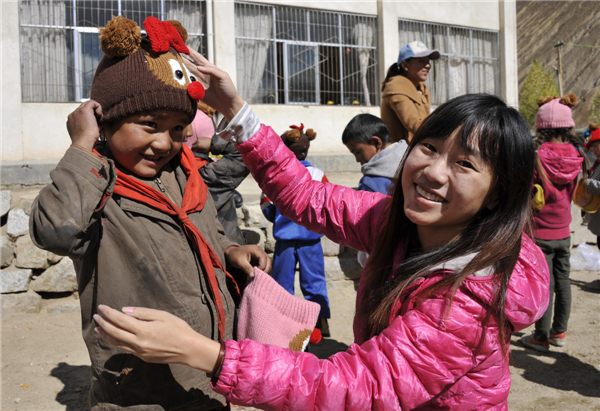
x: 60, y: 49
x: 290, y: 55
x: 468, y: 62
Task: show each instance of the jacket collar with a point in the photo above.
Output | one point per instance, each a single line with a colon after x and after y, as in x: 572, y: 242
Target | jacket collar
x: 402, y: 85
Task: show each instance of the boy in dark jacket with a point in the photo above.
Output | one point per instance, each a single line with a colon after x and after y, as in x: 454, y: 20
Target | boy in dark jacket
x: 135, y: 216
x: 367, y: 137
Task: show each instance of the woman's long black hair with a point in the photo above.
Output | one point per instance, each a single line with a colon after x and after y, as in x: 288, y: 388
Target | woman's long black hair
x: 502, y: 137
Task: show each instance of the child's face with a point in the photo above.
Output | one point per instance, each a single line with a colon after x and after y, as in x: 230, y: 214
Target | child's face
x: 363, y: 152
x: 444, y: 188
x: 145, y: 142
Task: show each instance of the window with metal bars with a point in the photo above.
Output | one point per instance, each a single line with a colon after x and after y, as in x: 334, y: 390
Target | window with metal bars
x: 290, y: 55
x: 60, y: 49
x: 468, y: 62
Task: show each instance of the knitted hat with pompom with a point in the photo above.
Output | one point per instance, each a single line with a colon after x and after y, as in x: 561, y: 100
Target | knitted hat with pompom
x: 555, y: 112
x: 141, y: 73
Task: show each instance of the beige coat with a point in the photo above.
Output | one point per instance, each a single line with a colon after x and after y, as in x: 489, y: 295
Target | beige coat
x: 403, y: 108
x: 129, y: 254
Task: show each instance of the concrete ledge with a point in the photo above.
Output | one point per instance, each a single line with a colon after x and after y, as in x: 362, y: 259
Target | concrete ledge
x: 334, y: 163
x: 34, y: 172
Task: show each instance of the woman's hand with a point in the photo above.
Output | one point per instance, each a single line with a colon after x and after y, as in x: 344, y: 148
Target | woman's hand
x: 245, y: 256
x: 157, y: 337
x: 220, y: 91
x: 82, y: 125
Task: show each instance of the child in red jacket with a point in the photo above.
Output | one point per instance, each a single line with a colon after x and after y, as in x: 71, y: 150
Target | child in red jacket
x: 561, y: 165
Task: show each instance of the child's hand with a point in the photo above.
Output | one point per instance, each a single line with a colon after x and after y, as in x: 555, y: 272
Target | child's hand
x: 82, y: 125
x: 220, y: 91
x: 244, y: 256
x: 156, y: 336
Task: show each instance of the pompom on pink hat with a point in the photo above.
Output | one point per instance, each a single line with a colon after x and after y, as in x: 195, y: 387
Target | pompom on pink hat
x: 555, y: 112
x: 202, y: 126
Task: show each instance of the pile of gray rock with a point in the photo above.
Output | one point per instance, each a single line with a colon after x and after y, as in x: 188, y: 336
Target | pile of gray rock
x: 29, y: 274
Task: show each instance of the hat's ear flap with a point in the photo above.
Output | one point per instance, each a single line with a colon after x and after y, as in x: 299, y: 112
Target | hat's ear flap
x: 182, y: 31
x: 569, y: 100
x: 594, y: 127
x: 206, y: 109
x: 120, y: 38
x: 311, y: 134
x: 543, y: 100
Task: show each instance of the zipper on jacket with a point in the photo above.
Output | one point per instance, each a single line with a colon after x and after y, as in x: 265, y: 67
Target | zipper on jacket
x: 162, y: 188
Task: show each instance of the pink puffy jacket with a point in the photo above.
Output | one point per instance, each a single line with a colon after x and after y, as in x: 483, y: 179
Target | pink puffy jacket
x: 414, y: 363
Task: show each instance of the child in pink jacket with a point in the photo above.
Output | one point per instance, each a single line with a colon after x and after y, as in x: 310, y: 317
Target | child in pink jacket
x: 450, y: 275
x: 561, y: 164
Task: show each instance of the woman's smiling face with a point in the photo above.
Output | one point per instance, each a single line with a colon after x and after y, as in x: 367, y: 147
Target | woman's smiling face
x: 444, y: 187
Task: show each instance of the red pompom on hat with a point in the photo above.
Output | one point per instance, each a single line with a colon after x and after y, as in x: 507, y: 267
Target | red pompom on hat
x: 196, y: 90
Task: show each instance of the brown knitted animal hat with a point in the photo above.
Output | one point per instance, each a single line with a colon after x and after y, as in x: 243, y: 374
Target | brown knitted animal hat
x: 298, y: 141
x: 141, y: 73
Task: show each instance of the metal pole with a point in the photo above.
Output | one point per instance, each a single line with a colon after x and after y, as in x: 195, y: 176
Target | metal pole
x: 560, y: 82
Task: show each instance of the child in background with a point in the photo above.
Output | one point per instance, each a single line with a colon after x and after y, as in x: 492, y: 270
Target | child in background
x: 222, y: 176
x: 561, y: 165
x: 135, y: 216
x: 367, y: 137
x: 451, y: 273
x: 592, y: 180
x: 295, y: 245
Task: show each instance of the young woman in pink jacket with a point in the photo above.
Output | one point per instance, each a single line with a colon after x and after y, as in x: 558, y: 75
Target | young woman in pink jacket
x: 451, y: 272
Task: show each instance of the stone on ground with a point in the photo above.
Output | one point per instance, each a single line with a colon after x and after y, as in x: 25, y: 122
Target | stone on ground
x: 14, y: 281
x: 5, y: 197
x: 18, y: 223
x: 57, y: 279
x: 29, y: 256
x: 14, y: 304
x: 7, y: 248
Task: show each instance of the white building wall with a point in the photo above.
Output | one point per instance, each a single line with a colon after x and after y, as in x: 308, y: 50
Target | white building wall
x: 12, y: 134
x: 33, y: 131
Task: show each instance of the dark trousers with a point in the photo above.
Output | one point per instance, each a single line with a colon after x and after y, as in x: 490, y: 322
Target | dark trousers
x: 309, y: 255
x: 557, y: 254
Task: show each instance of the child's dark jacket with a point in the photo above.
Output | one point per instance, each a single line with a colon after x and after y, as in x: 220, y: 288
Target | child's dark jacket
x: 129, y: 254
x: 222, y: 178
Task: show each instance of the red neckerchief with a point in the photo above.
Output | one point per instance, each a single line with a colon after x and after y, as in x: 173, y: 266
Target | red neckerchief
x: 194, y: 198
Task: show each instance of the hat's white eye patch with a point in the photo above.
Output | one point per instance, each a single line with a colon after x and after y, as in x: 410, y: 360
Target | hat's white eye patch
x: 190, y: 76
x: 178, y: 72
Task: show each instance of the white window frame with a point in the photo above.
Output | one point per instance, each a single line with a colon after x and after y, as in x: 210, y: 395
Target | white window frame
x: 308, y: 43
x: 79, y: 30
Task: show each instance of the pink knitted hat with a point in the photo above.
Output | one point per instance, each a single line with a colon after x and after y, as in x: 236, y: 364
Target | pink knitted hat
x: 270, y: 315
x: 202, y: 126
x: 557, y: 113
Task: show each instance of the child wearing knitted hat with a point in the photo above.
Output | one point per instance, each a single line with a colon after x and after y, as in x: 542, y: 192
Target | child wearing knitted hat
x: 296, y: 245
x: 128, y: 205
x: 560, y: 167
x: 592, y: 179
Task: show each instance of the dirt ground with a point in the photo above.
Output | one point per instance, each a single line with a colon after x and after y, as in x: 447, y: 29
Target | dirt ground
x: 45, y: 365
